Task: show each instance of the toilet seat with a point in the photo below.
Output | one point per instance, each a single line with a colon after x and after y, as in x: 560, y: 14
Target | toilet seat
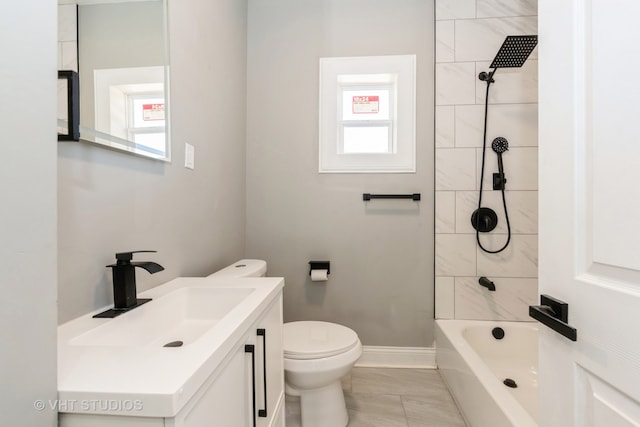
x: 307, y: 340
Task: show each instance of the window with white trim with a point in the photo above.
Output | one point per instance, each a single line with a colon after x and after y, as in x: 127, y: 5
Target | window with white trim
x: 367, y: 114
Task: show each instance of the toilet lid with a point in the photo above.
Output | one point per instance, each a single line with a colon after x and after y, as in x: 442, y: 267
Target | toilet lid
x: 313, y: 339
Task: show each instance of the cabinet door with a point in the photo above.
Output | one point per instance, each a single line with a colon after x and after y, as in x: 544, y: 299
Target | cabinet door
x: 250, y: 376
x: 227, y: 402
x: 270, y: 366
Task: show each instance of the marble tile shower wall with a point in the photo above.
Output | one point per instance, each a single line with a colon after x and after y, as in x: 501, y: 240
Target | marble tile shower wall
x: 67, y: 38
x: 468, y: 35
x: 67, y: 47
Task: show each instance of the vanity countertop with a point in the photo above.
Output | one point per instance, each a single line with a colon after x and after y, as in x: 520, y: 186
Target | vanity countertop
x: 126, y: 376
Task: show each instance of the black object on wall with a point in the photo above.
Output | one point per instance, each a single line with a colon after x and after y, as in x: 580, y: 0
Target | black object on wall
x: 72, y: 105
x: 484, y: 220
x: 367, y: 196
x: 483, y: 281
x: 319, y: 265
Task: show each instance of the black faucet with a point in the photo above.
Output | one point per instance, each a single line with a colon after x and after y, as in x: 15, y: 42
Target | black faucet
x: 124, y: 283
x: 487, y: 283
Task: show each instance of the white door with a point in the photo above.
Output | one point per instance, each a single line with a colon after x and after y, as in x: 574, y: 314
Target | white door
x: 589, y: 82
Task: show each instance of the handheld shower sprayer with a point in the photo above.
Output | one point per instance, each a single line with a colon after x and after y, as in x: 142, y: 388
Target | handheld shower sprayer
x: 499, y: 145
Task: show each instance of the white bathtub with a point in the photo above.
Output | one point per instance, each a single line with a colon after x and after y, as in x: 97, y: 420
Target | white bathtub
x: 474, y: 365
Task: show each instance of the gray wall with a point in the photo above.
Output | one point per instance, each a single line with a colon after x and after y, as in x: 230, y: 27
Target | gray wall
x: 381, y: 253
x: 28, y: 212
x: 110, y: 201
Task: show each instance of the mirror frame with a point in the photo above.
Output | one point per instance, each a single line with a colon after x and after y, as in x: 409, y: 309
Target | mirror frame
x: 71, y: 82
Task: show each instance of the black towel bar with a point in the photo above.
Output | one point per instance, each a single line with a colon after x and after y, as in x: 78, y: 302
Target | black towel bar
x: 367, y: 196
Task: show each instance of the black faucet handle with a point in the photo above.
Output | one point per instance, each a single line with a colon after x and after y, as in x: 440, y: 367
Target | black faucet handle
x: 128, y: 256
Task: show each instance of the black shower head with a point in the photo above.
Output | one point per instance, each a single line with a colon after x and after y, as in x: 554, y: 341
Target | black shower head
x: 500, y: 145
x: 514, y: 51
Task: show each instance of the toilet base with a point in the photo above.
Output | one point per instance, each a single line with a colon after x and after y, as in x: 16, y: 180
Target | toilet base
x: 323, y: 407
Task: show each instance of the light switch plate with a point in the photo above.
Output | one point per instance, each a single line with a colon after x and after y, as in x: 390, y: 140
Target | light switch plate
x: 189, y: 156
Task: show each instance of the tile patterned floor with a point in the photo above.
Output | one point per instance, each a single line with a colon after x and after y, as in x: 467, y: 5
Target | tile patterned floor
x: 381, y: 397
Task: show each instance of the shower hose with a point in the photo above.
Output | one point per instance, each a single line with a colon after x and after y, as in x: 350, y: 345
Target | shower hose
x: 504, y: 201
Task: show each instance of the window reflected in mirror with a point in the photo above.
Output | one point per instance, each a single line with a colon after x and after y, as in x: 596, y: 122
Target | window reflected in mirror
x: 123, y: 73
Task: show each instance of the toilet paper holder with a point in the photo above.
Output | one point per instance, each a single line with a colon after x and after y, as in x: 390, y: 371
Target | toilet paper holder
x: 319, y: 265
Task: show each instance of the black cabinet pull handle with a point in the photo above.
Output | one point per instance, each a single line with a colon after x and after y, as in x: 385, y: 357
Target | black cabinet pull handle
x: 263, y: 333
x: 249, y: 348
x: 554, y: 313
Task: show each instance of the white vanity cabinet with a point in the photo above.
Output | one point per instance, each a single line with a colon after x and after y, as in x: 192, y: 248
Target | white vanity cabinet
x: 243, y: 387
x: 274, y: 368
x: 235, y: 395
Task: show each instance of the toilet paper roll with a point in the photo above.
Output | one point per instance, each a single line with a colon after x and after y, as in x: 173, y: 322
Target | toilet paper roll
x: 319, y: 275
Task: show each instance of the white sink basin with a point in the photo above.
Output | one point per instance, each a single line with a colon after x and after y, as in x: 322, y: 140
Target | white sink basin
x: 179, y: 317
x: 123, y: 359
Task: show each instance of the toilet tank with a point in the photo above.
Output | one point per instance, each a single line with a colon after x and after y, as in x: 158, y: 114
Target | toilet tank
x: 243, y: 268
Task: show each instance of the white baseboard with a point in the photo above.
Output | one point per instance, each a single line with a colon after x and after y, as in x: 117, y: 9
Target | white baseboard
x: 397, y: 357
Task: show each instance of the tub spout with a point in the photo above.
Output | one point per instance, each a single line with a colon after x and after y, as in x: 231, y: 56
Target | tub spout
x: 487, y: 283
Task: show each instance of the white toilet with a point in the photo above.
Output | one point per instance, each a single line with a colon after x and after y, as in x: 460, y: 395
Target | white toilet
x: 316, y: 356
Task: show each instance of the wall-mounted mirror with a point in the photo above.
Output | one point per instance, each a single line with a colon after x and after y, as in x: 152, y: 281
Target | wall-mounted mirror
x: 122, y: 57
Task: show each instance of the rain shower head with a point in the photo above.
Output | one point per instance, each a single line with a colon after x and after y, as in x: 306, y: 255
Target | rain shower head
x: 514, y: 51
x: 512, y: 54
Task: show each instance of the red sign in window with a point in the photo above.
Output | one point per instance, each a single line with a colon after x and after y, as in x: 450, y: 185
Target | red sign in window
x: 152, y: 112
x: 365, y: 105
